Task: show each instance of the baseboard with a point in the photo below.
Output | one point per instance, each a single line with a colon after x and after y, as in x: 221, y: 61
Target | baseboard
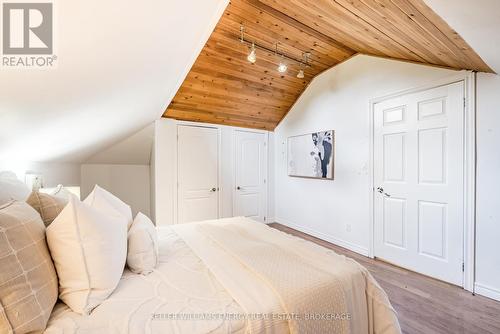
x: 270, y: 220
x: 336, y: 241
x: 487, y: 291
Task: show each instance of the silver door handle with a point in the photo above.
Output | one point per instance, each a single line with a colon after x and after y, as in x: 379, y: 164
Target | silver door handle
x: 213, y: 190
x: 381, y: 191
x: 238, y: 188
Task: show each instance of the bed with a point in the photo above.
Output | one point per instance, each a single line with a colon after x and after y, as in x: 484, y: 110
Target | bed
x: 238, y: 276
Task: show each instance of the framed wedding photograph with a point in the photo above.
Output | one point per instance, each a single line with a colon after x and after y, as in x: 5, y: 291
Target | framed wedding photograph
x: 312, y: 155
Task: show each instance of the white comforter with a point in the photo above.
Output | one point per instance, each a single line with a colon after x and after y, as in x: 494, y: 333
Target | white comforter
x: 228, y: 268
x: 180, y: 285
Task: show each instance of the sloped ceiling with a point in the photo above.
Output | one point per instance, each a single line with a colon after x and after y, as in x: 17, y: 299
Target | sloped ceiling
x: 478, y: 22
x: 133, y: 150
x: 223, y: 87
x: 119, y: 65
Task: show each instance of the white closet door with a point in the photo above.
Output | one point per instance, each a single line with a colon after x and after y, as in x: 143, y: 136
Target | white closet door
x: 249, y: 196
x: 418, y: 175
x: 198, y: 169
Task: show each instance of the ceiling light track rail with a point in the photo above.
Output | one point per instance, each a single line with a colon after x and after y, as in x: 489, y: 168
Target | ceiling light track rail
x: 252, y: 56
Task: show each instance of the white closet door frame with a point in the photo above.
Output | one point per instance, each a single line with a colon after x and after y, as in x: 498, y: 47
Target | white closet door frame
x: 265, y: 170
x: 176, y: 176
x: 469, y: 79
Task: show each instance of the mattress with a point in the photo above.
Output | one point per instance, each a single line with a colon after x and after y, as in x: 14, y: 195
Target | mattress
x: 181, y: 296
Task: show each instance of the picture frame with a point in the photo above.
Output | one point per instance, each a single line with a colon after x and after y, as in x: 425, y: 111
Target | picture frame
x: 312, y: 155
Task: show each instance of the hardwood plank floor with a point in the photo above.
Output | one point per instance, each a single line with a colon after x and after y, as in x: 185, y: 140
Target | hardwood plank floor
x: 424, y: 305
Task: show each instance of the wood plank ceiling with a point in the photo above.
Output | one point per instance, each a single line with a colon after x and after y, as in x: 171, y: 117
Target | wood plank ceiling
x: 224, y: 88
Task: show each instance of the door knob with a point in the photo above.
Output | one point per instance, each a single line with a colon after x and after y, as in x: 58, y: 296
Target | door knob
x: 213, y: 190
x: 381, y: 190
x: 238, y: 188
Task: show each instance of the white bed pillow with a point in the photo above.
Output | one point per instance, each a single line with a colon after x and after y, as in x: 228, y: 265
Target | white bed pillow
x: 105, y: 201
x: 142, y: 255
x: 11, y: 188
x: 61, y: 192
x: 89, y: 250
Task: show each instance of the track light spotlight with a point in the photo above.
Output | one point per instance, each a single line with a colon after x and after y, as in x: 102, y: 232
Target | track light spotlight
x: 252, y: 56
x: 282, y: 67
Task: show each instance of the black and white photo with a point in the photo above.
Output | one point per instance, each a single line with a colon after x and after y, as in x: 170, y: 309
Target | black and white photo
x: 312, y: 155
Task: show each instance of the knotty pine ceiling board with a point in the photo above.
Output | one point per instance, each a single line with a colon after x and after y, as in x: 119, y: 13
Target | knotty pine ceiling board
x: 222, y: 87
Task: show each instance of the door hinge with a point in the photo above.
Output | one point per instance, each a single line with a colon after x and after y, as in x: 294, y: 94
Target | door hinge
x: 264, y: 218
x: 465, y: 102
x: 463, y: 267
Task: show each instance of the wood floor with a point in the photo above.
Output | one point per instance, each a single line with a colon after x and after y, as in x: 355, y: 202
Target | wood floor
x: 424, y: 305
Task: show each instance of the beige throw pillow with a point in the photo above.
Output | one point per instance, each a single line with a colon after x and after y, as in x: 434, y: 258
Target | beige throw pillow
x: 28, y: 281
x: 48, y: 206
x: 142, y: 257
x: 89, y: 250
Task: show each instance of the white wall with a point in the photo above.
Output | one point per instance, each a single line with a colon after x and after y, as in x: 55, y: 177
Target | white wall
x: 134, y: 149
x: 123, y: 169
x: 488, y: 185
x: 164, y: 166
x: 164, y: 169
x: 271, y: 178
x: 130, y: 183
x: 53, y: 173
x: 152, y: 181
x: 226, y: 172
x: 338, y: 99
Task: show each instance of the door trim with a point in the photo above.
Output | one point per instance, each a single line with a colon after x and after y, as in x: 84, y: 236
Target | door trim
x: 469, y: 213
x: 265, y: 172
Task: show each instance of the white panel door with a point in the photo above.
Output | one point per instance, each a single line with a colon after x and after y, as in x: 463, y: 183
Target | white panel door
x: 418, y: 176
x: 197, y: 170
x: 249, y: 196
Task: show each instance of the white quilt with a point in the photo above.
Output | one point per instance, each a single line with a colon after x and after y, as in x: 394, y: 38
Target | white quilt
x: 270, y: 272
x: 227, y: 268
x: 180, y: 285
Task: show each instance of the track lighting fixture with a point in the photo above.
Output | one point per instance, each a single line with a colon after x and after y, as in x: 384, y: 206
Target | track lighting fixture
x: 305, y: 56
x: 252, y: 56
x: 283, y: 66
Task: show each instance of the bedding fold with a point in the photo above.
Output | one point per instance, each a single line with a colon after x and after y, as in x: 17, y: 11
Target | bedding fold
x: 295, y: 285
